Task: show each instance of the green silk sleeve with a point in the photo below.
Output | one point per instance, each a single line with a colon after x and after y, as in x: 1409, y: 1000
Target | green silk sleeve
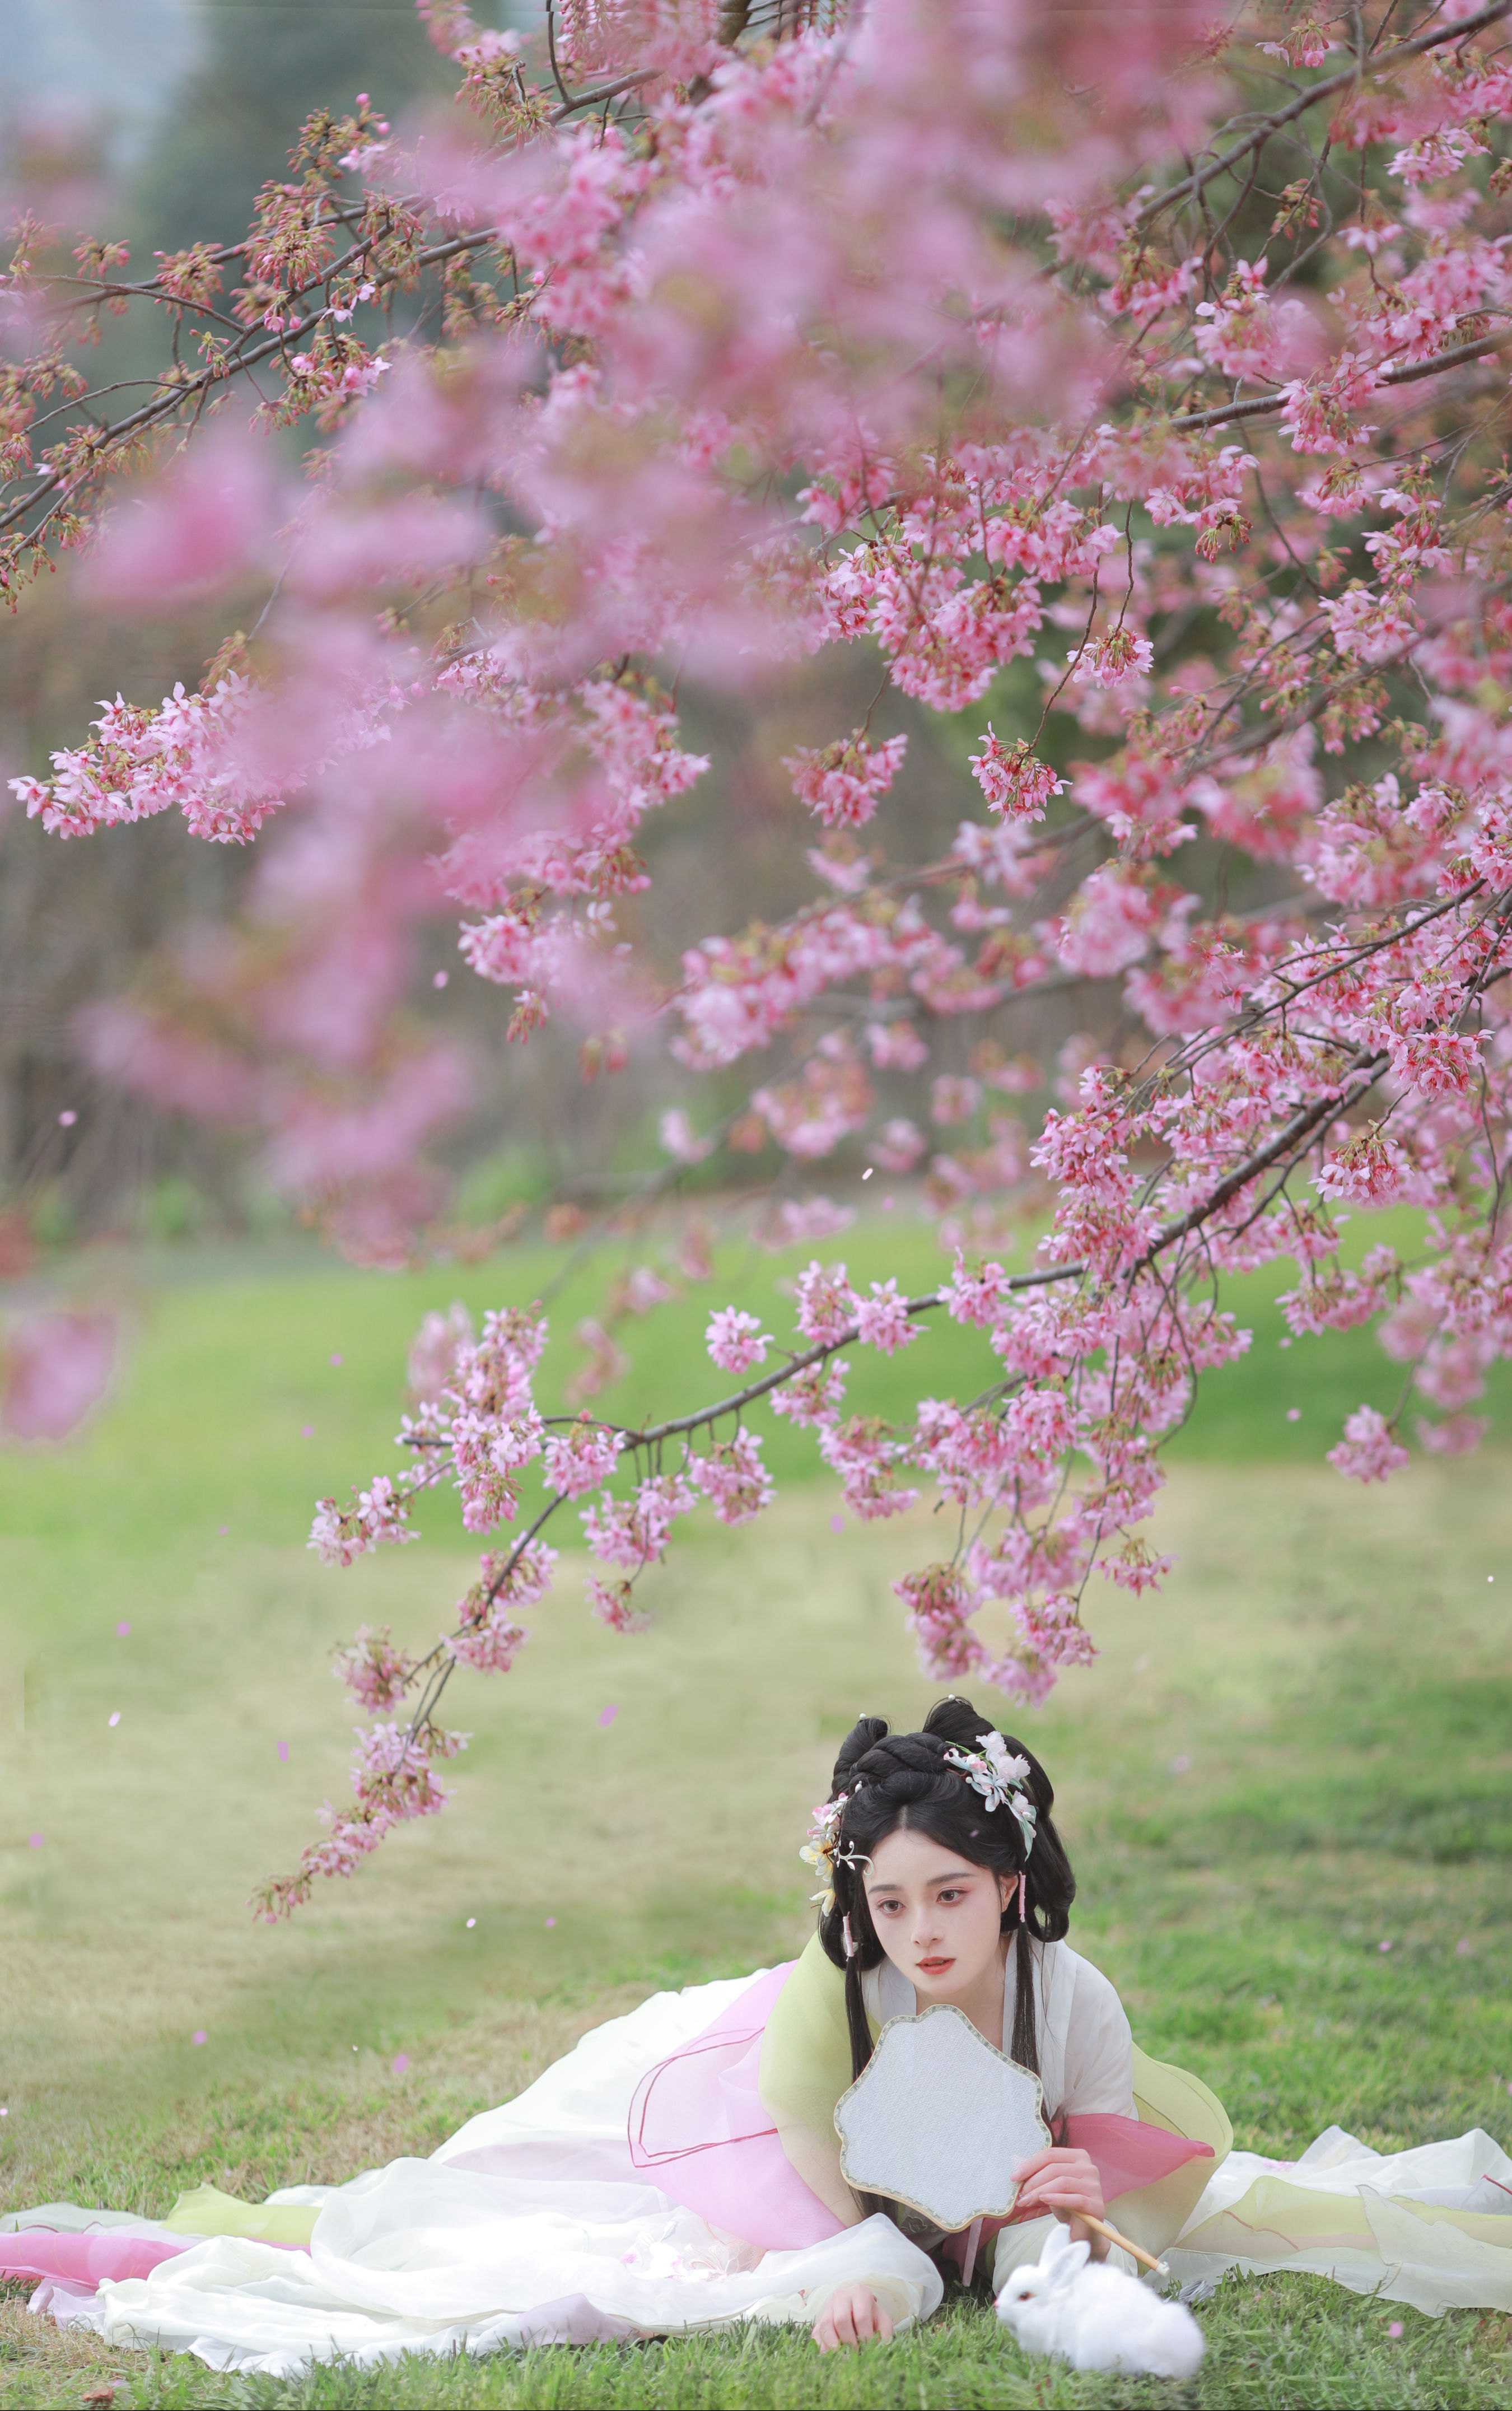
x: 805, y: 2068
x: 206, y: 2210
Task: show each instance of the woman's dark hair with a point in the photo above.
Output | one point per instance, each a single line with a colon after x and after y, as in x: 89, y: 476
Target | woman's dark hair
x: 890, y: 1781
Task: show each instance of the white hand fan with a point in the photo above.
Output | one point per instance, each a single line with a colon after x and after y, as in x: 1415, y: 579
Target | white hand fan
x: 938, y: 2119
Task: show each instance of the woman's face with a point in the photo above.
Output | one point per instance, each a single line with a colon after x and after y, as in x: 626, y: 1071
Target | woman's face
x: 938, y: 1916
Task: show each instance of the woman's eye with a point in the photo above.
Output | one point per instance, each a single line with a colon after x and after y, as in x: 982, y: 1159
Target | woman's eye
x: 946, y: 1896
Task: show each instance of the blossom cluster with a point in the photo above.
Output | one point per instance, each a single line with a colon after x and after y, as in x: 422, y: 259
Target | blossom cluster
x: 1186, y: 523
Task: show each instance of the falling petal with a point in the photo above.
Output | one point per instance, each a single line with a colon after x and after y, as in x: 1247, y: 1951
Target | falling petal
x: 199, y: 2035
x: 282, y: 1753
x: 115, y: 1717
x: 121, y: 1629
x: 399, y: 2062
x: 607, y: 1715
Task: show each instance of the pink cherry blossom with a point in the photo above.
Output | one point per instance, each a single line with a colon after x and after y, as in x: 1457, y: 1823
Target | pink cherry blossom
x: 813, y: 1395
x: 841, y: 783
x: 581, y: 1457
x: 378, y: 1516
x: 1457, y: 1436
x: 732, y: 1475
x: 676, y: 1136
x: 1014, y: 783
x: 55, y: 1370
x: 1108, y: 661
x: 799, y: 1222
x: 899, y: 1145
x: 635, y: 1532
x: 1370, y: 1170
x: 940, y: 1606
x: 614, y: 1604
x: 437, y: 1348
x: 1368, y: 1452
x: 491, y: 1645
x: 374, y: 1670
x: 883, y: 1319
x: 952, y: 1098
x: 735, y: 1340
x: 826, y: 1302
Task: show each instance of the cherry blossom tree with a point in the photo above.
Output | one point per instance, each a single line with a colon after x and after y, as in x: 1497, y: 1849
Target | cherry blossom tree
x: 1140, y: 384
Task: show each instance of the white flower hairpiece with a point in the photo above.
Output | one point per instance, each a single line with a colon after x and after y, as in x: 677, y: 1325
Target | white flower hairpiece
x: 1002, y: 1780
x: 818, y: 1850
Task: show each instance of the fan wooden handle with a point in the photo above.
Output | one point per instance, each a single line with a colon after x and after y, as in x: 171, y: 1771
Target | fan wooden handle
x: 1145, y: 2259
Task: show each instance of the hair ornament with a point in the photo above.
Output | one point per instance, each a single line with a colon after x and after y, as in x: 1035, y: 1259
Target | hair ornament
x: 1001, y: 1779
x: 846, y: 1937
x: 818, y: 1850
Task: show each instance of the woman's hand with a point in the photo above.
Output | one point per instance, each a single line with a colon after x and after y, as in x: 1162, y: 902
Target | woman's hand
x: 851, y: 2316
x: 1067, y: 2183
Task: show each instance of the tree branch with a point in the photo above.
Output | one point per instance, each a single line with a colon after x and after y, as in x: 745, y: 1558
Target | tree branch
x: 1190, y: 186
x: 1302, y: 1125
x: 1260, y: 404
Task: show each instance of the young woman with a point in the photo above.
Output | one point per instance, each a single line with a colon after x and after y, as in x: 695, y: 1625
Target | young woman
x: 681, y: 2169
x: 946, y: 1881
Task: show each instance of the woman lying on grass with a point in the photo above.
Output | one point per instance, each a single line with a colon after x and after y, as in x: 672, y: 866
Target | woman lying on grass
x: 946, y: 1881
x: 682, y: 2169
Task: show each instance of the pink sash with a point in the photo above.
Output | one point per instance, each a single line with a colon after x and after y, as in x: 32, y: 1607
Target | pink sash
x: 100, y: 2254
x: 97, y: 2256
x: 1129, y: 2154
x: 700, y: 2132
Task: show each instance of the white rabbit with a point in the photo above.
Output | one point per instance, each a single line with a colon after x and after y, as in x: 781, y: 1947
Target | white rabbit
x: 1097, y: 2318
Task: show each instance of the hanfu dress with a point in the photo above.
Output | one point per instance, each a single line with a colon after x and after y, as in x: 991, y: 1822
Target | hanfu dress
x: 679, y: 2170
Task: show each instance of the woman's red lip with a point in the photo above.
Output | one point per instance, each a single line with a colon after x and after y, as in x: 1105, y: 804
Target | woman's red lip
x: 933, y: 1966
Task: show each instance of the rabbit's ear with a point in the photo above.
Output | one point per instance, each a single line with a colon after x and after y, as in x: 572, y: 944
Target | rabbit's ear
x: 1070, y: 2258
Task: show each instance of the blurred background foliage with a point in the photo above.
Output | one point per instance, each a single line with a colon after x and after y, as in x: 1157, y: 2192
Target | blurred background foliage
x: 158, y: 120
x: 259, y: 68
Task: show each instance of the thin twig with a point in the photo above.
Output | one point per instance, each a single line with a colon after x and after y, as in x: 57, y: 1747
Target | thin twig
x: 1193, y: 184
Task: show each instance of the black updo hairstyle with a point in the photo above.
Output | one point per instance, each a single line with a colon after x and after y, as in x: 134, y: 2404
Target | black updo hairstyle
x: 902, y: 1779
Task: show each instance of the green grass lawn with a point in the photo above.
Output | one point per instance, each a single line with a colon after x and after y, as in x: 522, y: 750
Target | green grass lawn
x: 1298, y: 1752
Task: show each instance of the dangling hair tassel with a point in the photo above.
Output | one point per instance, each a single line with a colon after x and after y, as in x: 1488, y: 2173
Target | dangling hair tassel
x: 845, y: 1934
x: 1024, y: 1895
